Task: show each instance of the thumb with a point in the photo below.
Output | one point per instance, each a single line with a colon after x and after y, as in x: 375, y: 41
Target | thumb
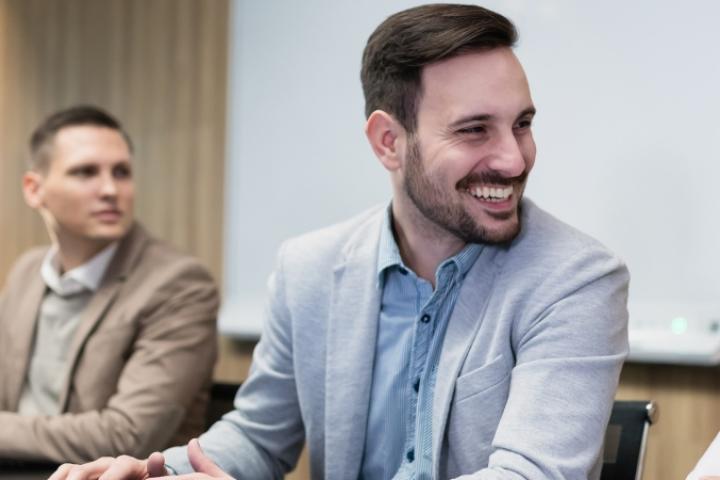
x: 201, y: 463
x: 156, y: 465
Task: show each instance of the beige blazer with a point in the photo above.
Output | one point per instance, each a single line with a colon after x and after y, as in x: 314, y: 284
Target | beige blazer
x: 140, y: 365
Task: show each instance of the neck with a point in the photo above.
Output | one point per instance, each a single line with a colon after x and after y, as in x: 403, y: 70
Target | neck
x: 73, y: 252
x: 423, y: 244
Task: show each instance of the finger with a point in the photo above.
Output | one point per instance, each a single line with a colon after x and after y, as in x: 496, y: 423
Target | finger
x: 156, y: 465
x: 125, y: 468
x: 62, y: 471
x: 200, y: 462
x: 87, y: 471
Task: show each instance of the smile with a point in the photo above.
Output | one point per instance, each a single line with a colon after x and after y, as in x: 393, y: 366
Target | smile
x: 490, y: 194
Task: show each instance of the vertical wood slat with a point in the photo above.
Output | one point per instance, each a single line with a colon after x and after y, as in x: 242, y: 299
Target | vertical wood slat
x: 689, y: 417
x: 142, y: 61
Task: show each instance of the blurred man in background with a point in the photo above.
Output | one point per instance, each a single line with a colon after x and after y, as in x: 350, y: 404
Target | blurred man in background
x: 107, y: 337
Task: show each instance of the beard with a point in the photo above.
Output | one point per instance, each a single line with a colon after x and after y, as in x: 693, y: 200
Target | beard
x: 446, y: 211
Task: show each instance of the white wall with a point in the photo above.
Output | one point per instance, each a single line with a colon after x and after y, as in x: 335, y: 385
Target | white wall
x: 628, y: 133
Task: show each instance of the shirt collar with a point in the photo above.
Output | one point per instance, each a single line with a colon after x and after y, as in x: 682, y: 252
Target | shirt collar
x: 84, y: 277
x: 389, y: 253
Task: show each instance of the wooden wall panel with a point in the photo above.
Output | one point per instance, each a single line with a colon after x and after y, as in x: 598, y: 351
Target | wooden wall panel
x: 689, y: 418
x: 160, y: 66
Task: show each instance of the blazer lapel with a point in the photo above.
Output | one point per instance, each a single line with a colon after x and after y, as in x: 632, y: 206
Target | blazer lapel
x: 351, y: 337
x: 23, y: 334
x: 94, y: 312
x: 462, y: 327
x: 127, y: 255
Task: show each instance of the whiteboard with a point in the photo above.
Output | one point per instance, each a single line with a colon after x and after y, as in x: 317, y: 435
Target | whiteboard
x: 628, y: 133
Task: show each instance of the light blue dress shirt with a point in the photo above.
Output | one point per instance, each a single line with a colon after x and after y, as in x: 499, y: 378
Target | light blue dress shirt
x: 413, y: 319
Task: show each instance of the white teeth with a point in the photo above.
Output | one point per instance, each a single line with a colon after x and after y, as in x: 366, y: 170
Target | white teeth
x: 491, y: 193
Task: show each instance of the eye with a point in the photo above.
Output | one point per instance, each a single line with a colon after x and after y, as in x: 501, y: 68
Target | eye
x: 524, y: 123
x: 84, y: 171
x: 122, y: 171
x: 473, y: 130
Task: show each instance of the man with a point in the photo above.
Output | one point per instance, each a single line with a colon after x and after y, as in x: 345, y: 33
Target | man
x: 460, y: 332
x: 107, y: 338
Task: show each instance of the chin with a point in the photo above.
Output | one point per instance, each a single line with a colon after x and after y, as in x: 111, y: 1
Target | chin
x: 109, y: 234
x: 505, y: 232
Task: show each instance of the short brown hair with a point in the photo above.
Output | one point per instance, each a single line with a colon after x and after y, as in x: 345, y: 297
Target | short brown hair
x: 405, y: 42
x: 44, y: 134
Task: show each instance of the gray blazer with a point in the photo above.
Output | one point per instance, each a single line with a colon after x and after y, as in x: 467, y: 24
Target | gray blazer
x: 526, y: 379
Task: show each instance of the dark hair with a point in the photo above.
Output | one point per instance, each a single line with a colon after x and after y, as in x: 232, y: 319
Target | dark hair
x: 405, y: 42
x: 44, y: 134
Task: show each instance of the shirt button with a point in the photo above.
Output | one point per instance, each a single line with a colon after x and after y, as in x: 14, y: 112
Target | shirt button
x: 416, y: 385
x: 410, y: 455
x: 425, y: 318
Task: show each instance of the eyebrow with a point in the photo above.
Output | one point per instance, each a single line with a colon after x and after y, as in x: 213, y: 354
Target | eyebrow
x: 528, y: 111
x: 470, y: 119
x: 486, y: 116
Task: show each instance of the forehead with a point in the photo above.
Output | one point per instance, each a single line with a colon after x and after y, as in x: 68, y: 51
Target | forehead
x: 488, y: 82
x: 88, y: 143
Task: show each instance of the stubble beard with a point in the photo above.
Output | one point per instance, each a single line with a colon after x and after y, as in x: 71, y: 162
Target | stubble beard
x: 437, y: 206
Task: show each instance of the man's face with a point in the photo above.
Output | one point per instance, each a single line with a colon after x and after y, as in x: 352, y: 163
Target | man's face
x: 87, y: 192
x: 467, y: 163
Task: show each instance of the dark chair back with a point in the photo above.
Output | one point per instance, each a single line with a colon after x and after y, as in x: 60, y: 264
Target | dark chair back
x: 625, y: 439
x: 222, y: 396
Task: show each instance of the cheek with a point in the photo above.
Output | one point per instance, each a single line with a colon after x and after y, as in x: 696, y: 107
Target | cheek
x: 63, y: 200
x: 444, y: 174
x: 528, y: 152
x: 68, y: 208
x: 452, y: 164
x: 128, y: 195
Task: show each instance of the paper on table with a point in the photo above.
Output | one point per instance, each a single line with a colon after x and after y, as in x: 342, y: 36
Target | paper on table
x: 709, y: 463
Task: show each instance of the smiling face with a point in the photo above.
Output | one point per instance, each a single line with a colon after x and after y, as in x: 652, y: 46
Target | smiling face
x: 466, y: 165
x: 86, y: 193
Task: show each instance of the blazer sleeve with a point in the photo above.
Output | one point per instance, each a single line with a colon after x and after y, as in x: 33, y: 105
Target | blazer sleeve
x: 569, y: 348
x: 170, y: 360
x: 262, y: 438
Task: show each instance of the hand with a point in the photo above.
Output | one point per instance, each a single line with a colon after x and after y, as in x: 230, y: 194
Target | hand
x: 205, y: 469
x: 109, y: 468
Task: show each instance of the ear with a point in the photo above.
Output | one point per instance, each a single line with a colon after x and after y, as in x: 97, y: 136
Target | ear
x: 32, y: 189
x: 386, y: 137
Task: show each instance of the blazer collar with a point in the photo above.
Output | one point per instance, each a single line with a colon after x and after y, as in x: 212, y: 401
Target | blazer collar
x: 351, y: 337
x: 461, y: 330
x: 464, y: 323
x: 127, y: 256
x: 23, y: 333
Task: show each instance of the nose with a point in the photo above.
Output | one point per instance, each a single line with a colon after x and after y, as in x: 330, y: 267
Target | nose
x: 108, y: 187
x: 507, y: 156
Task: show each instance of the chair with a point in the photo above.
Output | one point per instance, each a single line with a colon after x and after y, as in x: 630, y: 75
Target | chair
x: 222, y: 396
x: 625, y: 439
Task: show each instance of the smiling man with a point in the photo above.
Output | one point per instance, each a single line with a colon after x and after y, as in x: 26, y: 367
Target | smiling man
x: 107, y: 338
x: 458, y: 332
